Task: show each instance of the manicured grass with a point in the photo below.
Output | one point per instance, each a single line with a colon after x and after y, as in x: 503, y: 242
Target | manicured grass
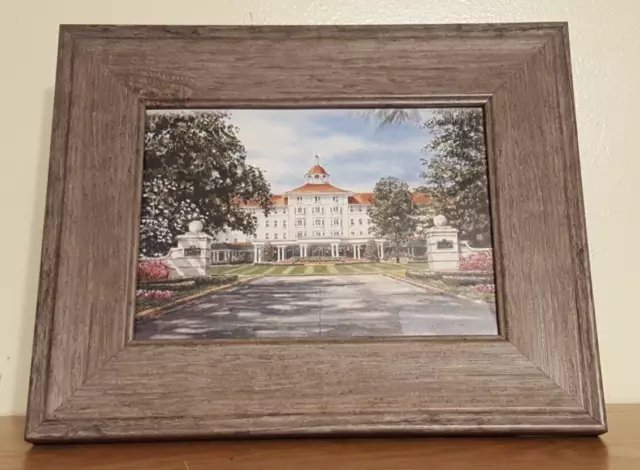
x: 308, y: 270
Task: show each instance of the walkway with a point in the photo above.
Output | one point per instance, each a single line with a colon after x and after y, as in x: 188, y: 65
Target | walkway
x: 321, y: 306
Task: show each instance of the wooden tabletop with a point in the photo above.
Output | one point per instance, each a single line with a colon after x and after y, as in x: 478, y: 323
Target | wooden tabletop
x: 619, y: 450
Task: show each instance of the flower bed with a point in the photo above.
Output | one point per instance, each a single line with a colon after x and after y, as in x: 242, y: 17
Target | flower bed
x: 153, y: 270
x: 152, y: 294
x: 477, y: 285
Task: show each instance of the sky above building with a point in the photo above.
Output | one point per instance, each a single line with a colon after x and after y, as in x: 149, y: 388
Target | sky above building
x: 353, y: 149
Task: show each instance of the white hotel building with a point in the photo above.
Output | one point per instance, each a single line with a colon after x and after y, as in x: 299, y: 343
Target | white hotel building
x: 315, y: 219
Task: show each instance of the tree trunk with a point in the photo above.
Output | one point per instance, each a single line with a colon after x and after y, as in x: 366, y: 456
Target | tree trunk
x: 398, y: 252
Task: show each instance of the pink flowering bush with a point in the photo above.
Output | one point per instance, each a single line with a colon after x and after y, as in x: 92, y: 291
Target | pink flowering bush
x: 485, y: 288
x: 153, y: 294
x: 153, y: 271
x: 482, y: 261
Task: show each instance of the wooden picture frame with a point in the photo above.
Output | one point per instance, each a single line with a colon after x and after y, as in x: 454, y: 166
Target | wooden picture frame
x: 91, y: 382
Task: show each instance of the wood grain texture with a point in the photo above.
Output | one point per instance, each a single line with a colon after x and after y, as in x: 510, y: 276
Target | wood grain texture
x: 90, y: 382
x: 617, y: 450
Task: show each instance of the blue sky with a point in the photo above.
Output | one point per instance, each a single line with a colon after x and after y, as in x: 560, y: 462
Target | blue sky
x: 354, y: 151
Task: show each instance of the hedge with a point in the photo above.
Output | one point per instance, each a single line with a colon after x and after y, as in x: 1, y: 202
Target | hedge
x: 189, y: 282
x: 465, y: 278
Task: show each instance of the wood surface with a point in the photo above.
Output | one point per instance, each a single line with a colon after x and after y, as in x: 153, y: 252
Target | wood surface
x: 91, y: 382
x: 619, y: 449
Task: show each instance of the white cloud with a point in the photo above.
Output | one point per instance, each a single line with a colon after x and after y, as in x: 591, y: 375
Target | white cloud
x: 283, y: 144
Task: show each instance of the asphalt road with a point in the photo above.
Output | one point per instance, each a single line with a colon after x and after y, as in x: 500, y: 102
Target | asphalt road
x: 321, y: 306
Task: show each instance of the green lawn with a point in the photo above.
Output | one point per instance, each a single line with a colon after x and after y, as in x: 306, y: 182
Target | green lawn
x: 302, y: 270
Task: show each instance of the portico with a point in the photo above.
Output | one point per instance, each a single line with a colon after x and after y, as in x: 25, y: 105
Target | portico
x: 318, y: 247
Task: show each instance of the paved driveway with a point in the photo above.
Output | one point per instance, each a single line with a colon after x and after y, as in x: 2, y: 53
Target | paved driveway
x: 321, y: 306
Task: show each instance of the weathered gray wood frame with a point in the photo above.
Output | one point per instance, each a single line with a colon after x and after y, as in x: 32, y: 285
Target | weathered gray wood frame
x: 90, y: 381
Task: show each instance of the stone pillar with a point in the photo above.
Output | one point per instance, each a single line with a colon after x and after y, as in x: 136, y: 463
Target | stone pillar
x: 443, y: 251
x: 195, y: 248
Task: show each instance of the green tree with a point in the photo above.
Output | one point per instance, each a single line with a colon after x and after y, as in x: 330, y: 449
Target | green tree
x: 195, y: 168
x: 371, y: 250
x: 269, y: 252
x: 392, y: 212
x: 455, y: 175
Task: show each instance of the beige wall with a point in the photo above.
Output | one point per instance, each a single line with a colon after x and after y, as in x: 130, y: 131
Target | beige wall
x: 605, y: 40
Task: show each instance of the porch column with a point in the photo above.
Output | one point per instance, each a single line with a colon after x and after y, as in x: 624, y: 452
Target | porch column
x: 260, y: 254
x: 255, y: 253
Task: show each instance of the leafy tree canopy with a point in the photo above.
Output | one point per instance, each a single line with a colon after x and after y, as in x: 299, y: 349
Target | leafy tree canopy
x: 455, y: 175
x: 195, y: 168
x: 393, y: 213
x: 371, y: 250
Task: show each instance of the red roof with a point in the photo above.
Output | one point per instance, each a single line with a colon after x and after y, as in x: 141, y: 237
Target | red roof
x: 317, y: 170
x: 276, y: 199
x: 367, y: 198
x: 317, y: 188
x: 420, y: 198
x: 357, y: 198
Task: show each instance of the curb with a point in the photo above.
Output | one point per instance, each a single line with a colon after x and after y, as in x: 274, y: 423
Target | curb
x: 158, y: 310
x: 437, y: 289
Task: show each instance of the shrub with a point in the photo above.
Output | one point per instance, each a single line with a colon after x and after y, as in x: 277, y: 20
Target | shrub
x: 422, y: 275
x: 269, y: 252
x: 153, y: 294
x: 371, y: 251
x: 456, y: 280
x: 215, y: 280
x: 482, y: 261
x: 182, y: 285
x: 153, y: 270
x: 485, y: 288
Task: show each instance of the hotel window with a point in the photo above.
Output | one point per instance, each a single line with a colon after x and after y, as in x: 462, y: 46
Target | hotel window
x: 301, y: 210
x: 335, y: 222
x: 275, y: 224
x: 353, y: 222
x: 298, y: 199
x: 317, y: 199
x: 235, y: 240
x: 275, y: 236
x: 360, y: 221
x: 318, y: 210
x: 300, y: 223
x: 335, y: 234
x: 353, y: 233
x: 299, y: 235
x: 336, y: 199
x: 284, y: 224
x: 266, y: 223
x: 266, y: 236
x: 361, y: 232
x: 318, y: 222
x: 284, y: 236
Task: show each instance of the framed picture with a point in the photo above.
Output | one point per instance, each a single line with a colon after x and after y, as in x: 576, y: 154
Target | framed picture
x: 312, y: 230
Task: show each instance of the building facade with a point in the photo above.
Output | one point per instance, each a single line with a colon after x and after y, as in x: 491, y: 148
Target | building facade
x: 314, y: 219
